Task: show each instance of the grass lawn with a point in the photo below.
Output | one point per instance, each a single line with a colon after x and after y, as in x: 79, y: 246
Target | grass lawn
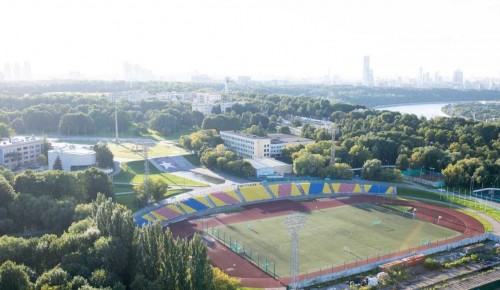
x: 122, y: 188
x: 157, y: 150
x: 134, y: 172
x: 325, y: 234
x: 193, y: 159
x: 128, y: 199
x: 410, y: 192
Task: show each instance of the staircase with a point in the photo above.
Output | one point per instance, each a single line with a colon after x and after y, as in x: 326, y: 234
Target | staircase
x: 271, y: 193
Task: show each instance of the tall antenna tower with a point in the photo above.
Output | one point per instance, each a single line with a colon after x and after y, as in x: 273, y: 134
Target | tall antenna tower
x: 294, y: 223
x: 332, y: 149
x: 116, y: 121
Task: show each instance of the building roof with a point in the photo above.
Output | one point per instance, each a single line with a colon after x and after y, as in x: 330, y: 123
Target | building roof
x: 265, y: 163
x: 73, y: 150
x: 245, y: 135
x: 18, y: 140
x: 285, y: 138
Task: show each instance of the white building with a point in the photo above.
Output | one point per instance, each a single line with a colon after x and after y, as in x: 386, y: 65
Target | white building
x: 20, y: 151
x: 269, y: 167
x: 73, y: 157
x: 256, y: 147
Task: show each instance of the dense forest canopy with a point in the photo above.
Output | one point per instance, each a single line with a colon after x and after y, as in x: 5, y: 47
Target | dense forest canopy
x: 367, y: 96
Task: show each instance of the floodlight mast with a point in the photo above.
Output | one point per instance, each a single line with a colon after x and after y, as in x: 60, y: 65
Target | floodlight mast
x: 294, y: 223
x: 332, y: 149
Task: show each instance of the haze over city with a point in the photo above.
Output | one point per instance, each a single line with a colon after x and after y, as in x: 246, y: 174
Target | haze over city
x: 262, y: 39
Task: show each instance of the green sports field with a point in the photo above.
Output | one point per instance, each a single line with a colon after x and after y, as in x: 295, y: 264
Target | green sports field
x: 330, y: 237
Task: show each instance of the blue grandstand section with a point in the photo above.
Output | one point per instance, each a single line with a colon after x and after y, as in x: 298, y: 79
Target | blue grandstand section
x: 316, y: 188
x: 191, y: 202
x: 378, y: 189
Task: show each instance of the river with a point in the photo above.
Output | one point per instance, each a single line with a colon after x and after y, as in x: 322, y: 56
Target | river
x: 428, y: 110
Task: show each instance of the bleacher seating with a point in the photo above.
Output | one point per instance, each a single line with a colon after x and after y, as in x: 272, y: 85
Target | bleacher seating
x: 316, y: 188
x: 295, y: 190
x: 305, y: 187
x: 196, y: 204
x: 158, y: 216
x: 275, y: 188
x: 222, y: 198
x: 255, y: 193
x: 170, y: 211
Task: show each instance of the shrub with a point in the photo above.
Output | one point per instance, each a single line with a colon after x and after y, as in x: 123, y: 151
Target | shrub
x: 432, y: 264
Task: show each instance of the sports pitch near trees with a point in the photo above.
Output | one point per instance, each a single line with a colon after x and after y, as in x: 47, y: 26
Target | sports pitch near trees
x: 330, y: 237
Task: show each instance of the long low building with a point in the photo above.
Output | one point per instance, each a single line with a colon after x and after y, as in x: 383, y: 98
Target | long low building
x: 73, y: 157
x: 269, y: 167
x: 255, y: 147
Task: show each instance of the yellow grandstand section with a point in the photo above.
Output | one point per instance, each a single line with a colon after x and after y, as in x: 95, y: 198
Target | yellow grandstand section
x: 295, y: 190
x: 367, y: 187
x: 233, y: 194
x: 305, y: 187
x: 357, y: 189
x: 390, y: 190
x: 203, y: 200
x: 158, y: 216
x: 216, y: 201
x: 174, y: 208
x: 186, y: 208
x: 148, y: 218
x: 326, y: 189
x: 254, y: 193
x: 336, y: 187
x: 274, y: 188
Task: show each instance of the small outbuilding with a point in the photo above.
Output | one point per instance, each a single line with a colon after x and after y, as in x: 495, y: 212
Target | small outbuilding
x: 269, y: 167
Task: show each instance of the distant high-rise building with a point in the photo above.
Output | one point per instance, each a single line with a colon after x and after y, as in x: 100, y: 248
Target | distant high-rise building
x: 367, y: 72
x: 226, y: 85
x: 17, y: 71
x: 7, y: 72
x: 458, y: 79
x: 26, y: 71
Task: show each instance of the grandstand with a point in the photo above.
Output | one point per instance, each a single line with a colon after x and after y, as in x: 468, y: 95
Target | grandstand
x: 254, y: 193
x: 222, y: 198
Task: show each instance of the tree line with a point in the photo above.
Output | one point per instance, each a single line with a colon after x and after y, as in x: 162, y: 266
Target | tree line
x: 86, y: 241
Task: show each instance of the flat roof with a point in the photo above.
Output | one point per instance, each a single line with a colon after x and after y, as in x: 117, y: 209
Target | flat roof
x: 246, y: 135
x: 285, y: 138
x: 265, y: 162
x: 18, y: 140
x: 74, y: 150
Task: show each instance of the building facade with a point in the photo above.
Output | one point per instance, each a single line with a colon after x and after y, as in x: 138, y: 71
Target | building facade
x: 20, y: 151
x: 256, y: 147
x: 73, y: 158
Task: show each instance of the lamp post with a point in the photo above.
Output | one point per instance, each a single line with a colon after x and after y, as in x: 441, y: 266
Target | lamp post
x: 421, y: 171
x: 432, y: 171
x: 439, y: 219
x: 414, y: 212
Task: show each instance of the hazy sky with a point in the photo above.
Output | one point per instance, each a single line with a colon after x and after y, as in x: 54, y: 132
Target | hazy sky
x: 253, y: 37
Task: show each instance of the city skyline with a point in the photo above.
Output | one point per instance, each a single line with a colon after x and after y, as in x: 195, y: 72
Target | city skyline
x: 262, y: 39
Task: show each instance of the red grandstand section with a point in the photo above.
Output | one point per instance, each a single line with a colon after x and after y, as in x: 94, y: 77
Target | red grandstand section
x: 252, y: 276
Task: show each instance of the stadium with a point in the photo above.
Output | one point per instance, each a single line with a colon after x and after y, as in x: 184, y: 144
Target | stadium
x: 349, y: 228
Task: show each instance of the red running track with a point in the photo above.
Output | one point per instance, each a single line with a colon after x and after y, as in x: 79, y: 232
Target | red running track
x: 252, y: 276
